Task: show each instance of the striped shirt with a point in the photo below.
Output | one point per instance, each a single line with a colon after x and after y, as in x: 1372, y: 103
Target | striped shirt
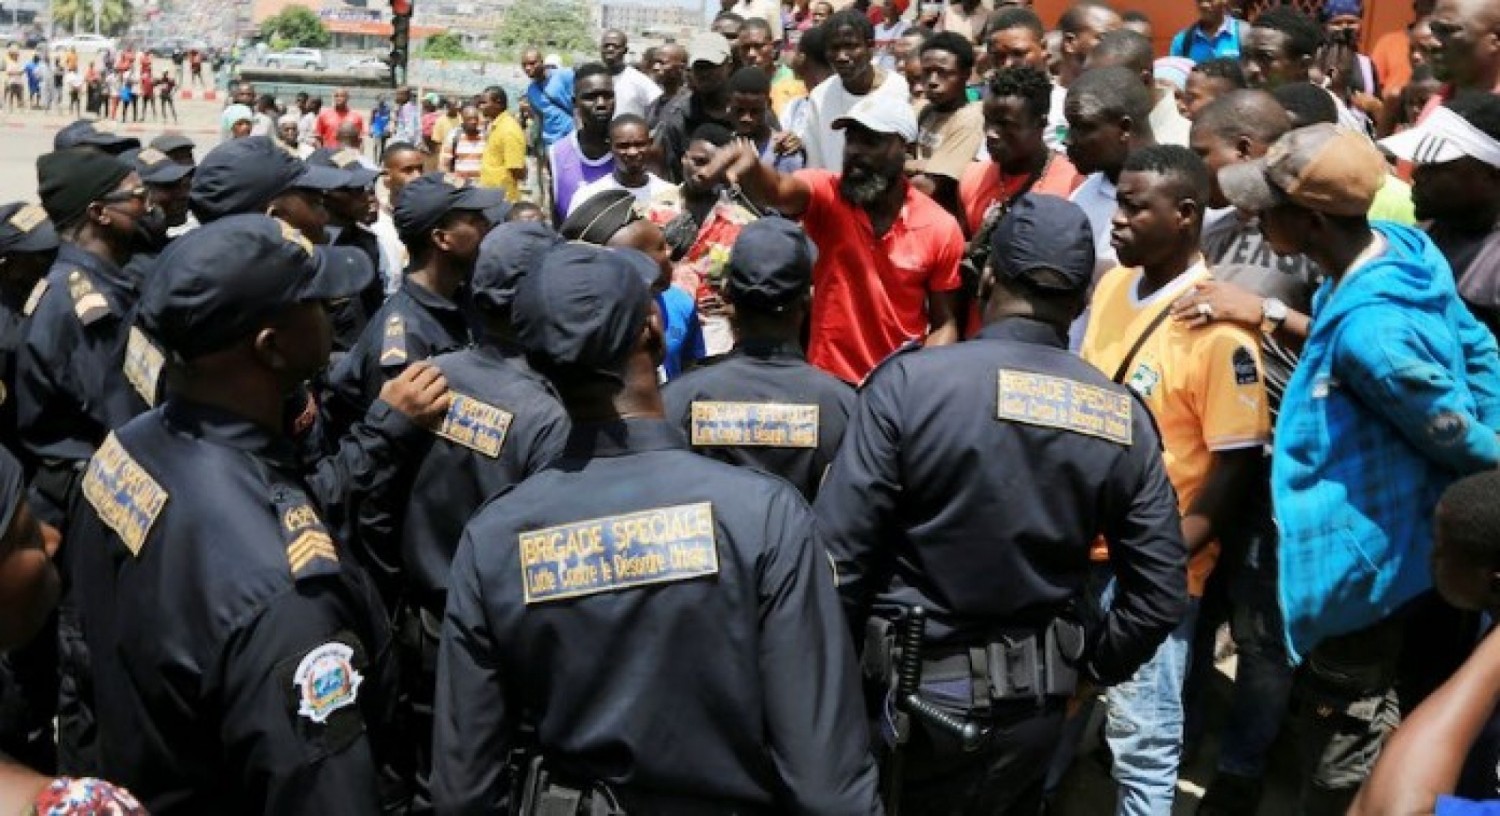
x: 468, y: 156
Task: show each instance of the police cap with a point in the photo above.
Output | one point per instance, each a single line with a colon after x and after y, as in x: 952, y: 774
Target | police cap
x: 509, y: 253
x: 584, y: 308
x: 1044, y: 242
x: 156, y: 167
x: 424, y: 203
x: 25, y: 228
x: 99, y: 135
x: 245, y: 175
x: 347, y: 160
x: 219, y: 283
x: 170, y: 143
x: 770, y: 265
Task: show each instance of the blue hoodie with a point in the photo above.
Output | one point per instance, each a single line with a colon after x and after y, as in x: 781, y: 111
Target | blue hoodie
x: 1397, y: 394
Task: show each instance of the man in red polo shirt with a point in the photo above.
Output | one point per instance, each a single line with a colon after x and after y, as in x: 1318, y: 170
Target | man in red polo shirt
x: 888, y: 256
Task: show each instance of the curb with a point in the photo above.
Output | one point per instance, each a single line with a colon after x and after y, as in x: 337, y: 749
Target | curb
x: 133, y: 129
x: 185, y: 94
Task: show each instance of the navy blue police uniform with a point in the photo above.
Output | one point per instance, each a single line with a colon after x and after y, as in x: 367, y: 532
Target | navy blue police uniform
x: 972, y: 483
x: 503, y: 424
x: 24, y: 231
x: 242, y: 659
x: 415, y: 323
x: 763, y: 405
x: 666, y: 625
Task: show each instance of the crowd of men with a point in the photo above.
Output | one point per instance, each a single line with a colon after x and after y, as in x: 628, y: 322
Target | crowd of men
x: 833, y: 437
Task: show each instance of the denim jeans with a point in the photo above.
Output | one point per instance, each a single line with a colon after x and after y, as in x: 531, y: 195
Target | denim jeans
x: 1143, y: 725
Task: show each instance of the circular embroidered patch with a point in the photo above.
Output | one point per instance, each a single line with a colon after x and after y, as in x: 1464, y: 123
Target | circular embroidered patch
x: 326, y: 681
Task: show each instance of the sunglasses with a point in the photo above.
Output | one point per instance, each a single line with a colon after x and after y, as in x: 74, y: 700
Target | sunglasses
x: 122, y: 196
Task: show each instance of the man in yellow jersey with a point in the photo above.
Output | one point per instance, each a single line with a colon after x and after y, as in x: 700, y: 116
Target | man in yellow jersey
x: 504, y: 163
x: 1207, y: 394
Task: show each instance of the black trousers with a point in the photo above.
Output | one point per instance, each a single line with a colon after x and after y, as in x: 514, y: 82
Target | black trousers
x: 1004, y: 775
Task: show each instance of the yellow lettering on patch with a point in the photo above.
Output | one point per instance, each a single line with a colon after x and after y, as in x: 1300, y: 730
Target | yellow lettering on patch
x: 476, y: 425
x: 754, y: 424
x: 124, y: 495
x: 659, y: 546
x: 143, y: 363
x: 1057, y: 402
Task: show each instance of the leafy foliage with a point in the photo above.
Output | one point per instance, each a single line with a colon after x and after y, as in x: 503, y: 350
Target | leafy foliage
x: 296, y: 26
x: 553, y: 25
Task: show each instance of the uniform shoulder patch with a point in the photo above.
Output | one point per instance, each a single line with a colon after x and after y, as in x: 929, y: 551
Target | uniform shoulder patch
x: 35, y: 298
x: 310, y: 550
x: 393, y: 346
x: 1058, y: 402
x: 88, y: 304
x: 326, y: 680
x: 124, y: 495
x: 475, y: 424
x: 663, y: 545
x: 754, y: 424
x: 1246, y: 372
x: 143, y: 364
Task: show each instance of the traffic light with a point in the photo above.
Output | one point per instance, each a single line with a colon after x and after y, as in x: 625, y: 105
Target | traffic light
x: 400, y: 36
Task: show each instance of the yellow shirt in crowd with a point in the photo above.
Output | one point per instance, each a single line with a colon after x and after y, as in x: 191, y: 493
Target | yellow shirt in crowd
x: 1203, y: 386
x: 504, y: 152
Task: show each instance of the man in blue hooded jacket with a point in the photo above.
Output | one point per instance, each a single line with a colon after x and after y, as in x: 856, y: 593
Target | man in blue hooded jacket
x: 1396, y: 396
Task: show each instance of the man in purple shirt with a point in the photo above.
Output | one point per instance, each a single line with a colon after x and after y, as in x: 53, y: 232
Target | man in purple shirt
x: 583, y: 155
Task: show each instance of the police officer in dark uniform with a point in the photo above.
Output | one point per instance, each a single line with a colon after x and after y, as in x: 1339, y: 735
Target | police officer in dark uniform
x: 169, y: 182
x: 972, y: 482
x: 348, y: 208
x: 255, y: 175
x: 72, y: 384
x: 504, y: 424
x: 763, y: 405
x: 664, y: 624
x: 28, y: 248
x: 441, y: 219
x: 242, y: 659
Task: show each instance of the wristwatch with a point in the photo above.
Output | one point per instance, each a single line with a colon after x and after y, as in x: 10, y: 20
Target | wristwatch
x: 1272, y: 315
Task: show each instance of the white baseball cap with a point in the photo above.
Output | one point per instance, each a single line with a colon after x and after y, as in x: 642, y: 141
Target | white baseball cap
x: 882, y: 114
x: 552, y: 61
x: 1443, y: 136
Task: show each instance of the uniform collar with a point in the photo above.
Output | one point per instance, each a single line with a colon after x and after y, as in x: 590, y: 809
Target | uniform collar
x: 220, y: 427
x: 102, y: 271
x: 428, y: 299
x: 588, y: 440
x: 1026, y: 330
x: 761, y: 349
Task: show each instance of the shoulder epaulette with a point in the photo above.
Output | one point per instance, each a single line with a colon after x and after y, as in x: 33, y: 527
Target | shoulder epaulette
x: 88, y: 304
x: 393, y: 346
x: 35, y: 298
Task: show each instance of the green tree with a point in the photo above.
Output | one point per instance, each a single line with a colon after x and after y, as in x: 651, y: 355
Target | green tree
x: 554, y: 25
x: 77, y: 16
x: 297, y: 26
x: 444, y: 45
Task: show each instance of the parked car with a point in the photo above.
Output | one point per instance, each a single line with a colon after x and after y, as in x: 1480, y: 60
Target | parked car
x: 307, y: 58
x: 368, y: 65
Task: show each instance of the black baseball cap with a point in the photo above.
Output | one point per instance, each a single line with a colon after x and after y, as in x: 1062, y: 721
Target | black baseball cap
x: 26, y: 228
x: 584, y: 309
x: 770, y: 265
x: 98, y: 134
x: 245, y: 175
x: 509, y: 253
x: 426, y: 200
x: 346, y: 160
x: 1044, y: 234
x: 156, y: 167
x: 218, y: 284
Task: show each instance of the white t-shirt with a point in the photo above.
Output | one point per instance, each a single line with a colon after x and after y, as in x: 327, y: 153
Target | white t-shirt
x: 1056, y: 134
x: 634, y: 92
x: 825, y: 146
x: 643, y: 195
x: 1167, y: 124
